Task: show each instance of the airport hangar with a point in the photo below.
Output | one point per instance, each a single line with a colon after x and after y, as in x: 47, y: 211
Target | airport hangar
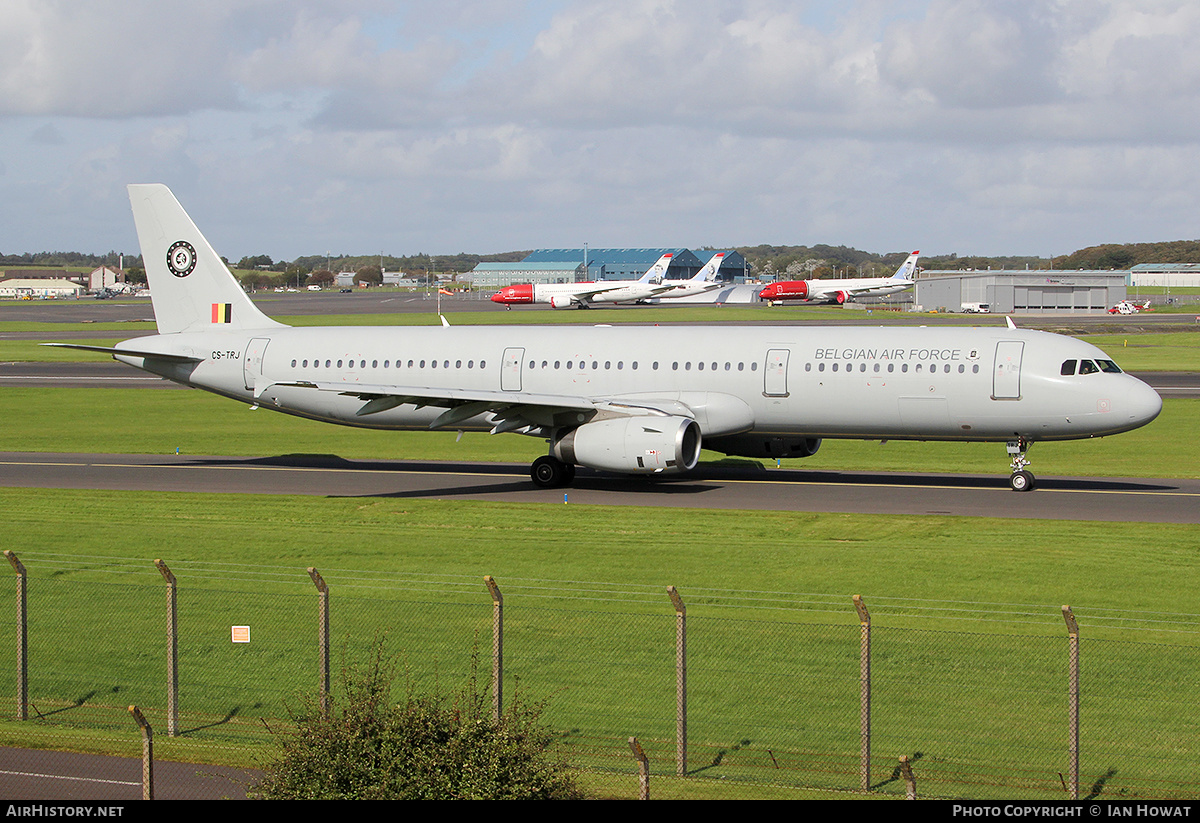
x: 568, y: 266
x: 1049, y: 291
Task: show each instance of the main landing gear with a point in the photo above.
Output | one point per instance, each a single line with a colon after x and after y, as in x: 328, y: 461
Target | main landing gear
x: 1021, y: 480
x: 548, y: 472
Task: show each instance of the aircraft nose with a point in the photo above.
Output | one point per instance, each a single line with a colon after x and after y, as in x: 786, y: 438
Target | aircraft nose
x: 1144, y: 402
x: 497, y: 297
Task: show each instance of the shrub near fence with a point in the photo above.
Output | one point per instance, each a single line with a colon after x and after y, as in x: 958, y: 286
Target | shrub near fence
x: 733, y: 691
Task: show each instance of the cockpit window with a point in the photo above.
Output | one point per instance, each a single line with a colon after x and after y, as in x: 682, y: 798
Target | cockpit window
x: 1108, y: 366
x: 1087, y: 367
x: 1068, y: 367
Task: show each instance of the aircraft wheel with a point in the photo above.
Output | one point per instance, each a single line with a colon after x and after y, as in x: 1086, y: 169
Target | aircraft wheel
x: 549, y: 472
x: 1021, y: 481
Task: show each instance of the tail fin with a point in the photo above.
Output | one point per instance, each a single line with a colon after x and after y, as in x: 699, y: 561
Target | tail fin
x: 908, y: 268
x: 709, y: 272
x: 190, y: 286
x: 658, y: 271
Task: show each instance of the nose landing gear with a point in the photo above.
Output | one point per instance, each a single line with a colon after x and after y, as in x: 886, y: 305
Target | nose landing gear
x: 1021, y: 479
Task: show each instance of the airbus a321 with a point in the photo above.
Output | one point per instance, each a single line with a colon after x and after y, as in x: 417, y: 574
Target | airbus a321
x: 632, y: 399
x: 583, y: 295
x: 841, y: 291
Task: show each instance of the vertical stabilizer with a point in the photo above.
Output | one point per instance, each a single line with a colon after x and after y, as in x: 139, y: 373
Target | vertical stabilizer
x: 658, y: 271
x: 908, y: 268
x: 190, y: 286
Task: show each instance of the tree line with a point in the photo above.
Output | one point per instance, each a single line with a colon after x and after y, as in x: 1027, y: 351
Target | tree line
x: 819, y: 261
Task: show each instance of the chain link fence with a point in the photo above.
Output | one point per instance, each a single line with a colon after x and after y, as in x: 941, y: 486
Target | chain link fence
x: 724, y: 694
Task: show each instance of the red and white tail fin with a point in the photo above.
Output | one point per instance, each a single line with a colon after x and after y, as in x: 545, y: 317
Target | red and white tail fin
x: 658, y: 271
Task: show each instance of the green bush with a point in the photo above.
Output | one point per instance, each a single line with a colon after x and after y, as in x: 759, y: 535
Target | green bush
x: 425, y: 747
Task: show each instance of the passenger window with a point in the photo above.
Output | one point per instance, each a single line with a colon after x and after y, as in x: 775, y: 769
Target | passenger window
x: 1068, y: 368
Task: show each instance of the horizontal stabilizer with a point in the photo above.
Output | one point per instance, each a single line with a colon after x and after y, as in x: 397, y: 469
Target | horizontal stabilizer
x: 173, y: 358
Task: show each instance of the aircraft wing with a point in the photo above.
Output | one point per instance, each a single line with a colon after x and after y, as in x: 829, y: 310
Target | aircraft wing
x: 512, y: 410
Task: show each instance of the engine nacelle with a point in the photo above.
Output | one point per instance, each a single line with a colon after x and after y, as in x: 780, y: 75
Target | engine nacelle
x: 754, y: 445
x: 644, y: 444
x: 561, y: 301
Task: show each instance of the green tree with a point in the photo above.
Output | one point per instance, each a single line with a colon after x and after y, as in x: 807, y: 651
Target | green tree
x: 424, y: 747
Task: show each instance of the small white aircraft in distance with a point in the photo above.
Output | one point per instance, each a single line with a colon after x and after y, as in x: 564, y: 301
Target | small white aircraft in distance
x: 841, y: 291
x: 703, y: 281
x: 582, y: 295
x: 629, y: 399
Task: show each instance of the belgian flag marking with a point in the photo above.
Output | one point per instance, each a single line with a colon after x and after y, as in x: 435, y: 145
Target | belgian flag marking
x: 222, y: 312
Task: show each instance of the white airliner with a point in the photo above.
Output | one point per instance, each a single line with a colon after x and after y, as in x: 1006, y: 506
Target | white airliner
x: 582, y: 295
x: 840, y: 291
x: 629, y: 399
x: 703, y: 281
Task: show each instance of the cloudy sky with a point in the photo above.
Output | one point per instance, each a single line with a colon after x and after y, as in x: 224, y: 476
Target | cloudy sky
x: 295, y: 127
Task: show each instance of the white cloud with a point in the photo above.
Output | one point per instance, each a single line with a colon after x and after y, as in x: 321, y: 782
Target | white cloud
x: 1007, y: 126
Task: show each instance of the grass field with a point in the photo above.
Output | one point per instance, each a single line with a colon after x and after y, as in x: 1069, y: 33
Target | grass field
x: 966, y: 613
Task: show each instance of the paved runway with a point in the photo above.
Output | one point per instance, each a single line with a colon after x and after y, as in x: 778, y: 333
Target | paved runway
x: 37, y: 775
x: 1099, y: 499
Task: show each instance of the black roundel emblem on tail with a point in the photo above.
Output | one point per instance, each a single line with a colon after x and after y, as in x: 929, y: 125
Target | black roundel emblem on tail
x: 181, y: 258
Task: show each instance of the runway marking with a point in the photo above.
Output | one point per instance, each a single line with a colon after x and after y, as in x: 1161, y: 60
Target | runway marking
x: 77, y: 779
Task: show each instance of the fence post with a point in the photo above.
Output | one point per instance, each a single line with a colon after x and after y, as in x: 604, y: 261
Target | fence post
x: 322, y: 637
x: 22, y: 638
x: 864, y: 691
x: 910, y: 782
x: 497, y: 646
x: 147, y: 753
x: 643, y: 768
x: 1073, y: 709
x: 680, y: 681
x: 172, y: 651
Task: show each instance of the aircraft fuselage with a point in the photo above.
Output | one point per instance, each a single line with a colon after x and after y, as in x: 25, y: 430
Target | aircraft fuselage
x: 839, y: 382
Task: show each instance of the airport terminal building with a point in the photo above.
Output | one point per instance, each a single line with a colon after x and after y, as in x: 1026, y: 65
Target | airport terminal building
x: 1052, y: 292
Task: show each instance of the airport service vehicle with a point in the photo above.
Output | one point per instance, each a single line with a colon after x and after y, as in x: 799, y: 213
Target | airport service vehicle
x: 629, y: 399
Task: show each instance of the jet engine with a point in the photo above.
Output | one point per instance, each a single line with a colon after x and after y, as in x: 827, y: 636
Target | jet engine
x: 561, y: 301
x: 753, y: 445
x: 643, y: 444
